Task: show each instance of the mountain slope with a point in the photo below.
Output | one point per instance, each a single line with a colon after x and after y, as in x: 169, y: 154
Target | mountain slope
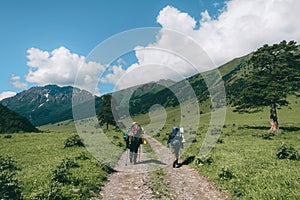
x: 141, y: 102
x: 50, y: 104
x: 12, y: 122
x: 43, y: 105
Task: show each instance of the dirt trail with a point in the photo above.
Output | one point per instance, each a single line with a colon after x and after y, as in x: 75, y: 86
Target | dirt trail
x: 131, y: 182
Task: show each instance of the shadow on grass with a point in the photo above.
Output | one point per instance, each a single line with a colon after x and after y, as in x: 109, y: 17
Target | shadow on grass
x: 284, y: 128
x: 290, y: 128
x: 187, y: 161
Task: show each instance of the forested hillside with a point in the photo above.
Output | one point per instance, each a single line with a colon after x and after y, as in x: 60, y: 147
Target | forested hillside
x: 12, y: 122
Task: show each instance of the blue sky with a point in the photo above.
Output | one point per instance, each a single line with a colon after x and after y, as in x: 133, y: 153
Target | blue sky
x: 77, y: 27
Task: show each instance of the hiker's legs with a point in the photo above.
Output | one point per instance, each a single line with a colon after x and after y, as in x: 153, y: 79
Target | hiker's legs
x: 131, y: 156
x: 176, y: 154
x: 135, y: 154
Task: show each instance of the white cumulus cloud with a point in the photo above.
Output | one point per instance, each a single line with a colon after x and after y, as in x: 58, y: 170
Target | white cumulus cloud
x: 6, y: 94
x: 15, y: 81
x: 60, y: 67
x: 172, y: 18
x: 241, y: 27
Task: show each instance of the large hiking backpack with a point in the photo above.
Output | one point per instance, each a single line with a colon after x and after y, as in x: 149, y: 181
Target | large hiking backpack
x: 135, y: 131
x: 176, y: 136
x: 133, y: 135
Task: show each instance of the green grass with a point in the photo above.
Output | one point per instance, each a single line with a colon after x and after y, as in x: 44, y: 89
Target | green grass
x: 159, y: 185
x: 256, y: 171
x: 39, y: 154
x: 157, y: 180
x: 252, y: 160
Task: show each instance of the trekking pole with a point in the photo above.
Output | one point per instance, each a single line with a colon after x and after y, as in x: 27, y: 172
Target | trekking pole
x: 178, y: 156
x: 140, y: 153
x: 141, y: 150
x: 126, y: 156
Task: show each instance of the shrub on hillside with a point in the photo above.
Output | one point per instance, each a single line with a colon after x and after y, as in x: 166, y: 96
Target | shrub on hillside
x: 54, y: 192
x: 8, y: 136
x: 226, y: 174
x: 73, y: 141
x: 7, y: 163
x: 62, y: 173
x: 64, y: 185
x: 268, y: 136
x: 220, y: 141
x: 9, y: 185
x: 204, y: 160
x: 287, y: 152
x: 82, y: 156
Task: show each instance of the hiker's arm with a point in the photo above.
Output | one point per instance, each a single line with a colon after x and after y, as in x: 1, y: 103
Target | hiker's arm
x: 141, y: 140
x: 168, y: 141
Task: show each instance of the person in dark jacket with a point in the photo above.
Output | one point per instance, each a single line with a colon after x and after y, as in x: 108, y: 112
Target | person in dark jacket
x: 133, y: 139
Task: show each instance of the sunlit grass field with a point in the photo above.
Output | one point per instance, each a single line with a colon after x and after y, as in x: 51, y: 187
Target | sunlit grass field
x: 38, y: 155
x: 243, y: 161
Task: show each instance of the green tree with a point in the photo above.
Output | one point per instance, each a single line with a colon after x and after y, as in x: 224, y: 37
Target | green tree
x: 105, y: 114
x: 275, y: 74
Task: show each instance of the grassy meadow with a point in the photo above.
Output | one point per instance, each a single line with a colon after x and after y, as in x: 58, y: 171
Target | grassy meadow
x: 244, y: 160
x: 48, y: 170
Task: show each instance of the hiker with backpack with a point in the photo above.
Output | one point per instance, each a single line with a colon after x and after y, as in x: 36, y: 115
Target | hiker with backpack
x: 176, y: 139
x: 134, y: 138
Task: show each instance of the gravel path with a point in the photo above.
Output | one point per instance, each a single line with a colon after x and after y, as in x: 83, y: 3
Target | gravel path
x: 131, y: 182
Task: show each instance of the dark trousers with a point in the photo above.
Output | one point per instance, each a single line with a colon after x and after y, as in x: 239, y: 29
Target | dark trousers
x: 134, y: 147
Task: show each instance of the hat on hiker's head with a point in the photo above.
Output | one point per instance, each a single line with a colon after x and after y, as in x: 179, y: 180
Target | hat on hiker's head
x: 134, y: 123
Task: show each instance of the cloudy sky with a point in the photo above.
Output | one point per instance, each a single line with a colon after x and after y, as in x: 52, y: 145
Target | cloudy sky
x: 49, y: 42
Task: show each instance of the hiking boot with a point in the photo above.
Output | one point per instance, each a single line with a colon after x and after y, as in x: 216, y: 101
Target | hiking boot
x: 175, y: 163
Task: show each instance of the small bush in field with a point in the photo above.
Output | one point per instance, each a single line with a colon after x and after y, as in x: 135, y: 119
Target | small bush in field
x: 54, y: 192
x: 220, y: 141
x: 226, y: 174
x: 62, y: 173
x: 115, y: 137
x: 73, y: 141
x: 8, y: 136
x: 82, y: 156
x: 268, y: 136
x: 287, y: 152
x: 7, y: 164
x: 204, y: 160
x: 9, y: 185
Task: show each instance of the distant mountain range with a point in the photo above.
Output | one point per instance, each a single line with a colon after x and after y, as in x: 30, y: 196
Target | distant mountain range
x: 44, y: 105
x: 51, y: 103
x: 12, y: 122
